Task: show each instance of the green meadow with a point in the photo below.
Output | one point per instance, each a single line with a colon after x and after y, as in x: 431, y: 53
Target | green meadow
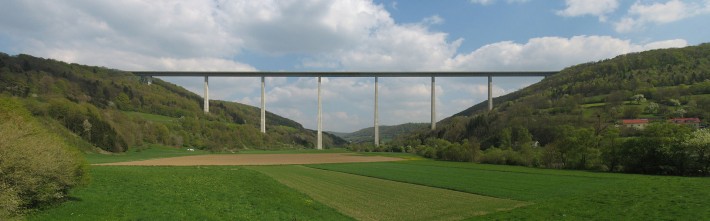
x: 555, y: 194
x: 414, y: 189
x: 366, y: 198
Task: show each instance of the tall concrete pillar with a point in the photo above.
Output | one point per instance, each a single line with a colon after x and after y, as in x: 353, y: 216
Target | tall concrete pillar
x: 146, y: 79
x: 263, y: 105
x: 377, y: 118
x: 206, y: 105
x: 433, y: 103
x: 320, y: 120
x: 490, y: 92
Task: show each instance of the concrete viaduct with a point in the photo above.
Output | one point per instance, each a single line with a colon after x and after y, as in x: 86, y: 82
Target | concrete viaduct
x: 147, y: 75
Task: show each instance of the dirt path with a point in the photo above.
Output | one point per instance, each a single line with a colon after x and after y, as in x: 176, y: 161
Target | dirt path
x: 256, y: 159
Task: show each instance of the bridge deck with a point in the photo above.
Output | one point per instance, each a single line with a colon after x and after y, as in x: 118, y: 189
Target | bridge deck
x: 345, y: 73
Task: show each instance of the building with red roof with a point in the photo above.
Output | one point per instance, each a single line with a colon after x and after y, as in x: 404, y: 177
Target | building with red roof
x: 691, y: 122
x: 635, y: 123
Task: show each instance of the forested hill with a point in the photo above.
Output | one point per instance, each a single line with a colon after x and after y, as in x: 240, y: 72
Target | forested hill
x: 114, y: 111
x: 657, y: 84
x: 387, y: 133
x: 643, y: 72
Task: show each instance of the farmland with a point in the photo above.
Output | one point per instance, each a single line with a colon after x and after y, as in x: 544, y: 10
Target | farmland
x: 556, y: 194
x: 186, y: 193
x: 366, y: 198
x: 413, y: 189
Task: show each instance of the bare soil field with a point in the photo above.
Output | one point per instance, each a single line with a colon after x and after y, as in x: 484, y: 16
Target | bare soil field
x: 255, y: 159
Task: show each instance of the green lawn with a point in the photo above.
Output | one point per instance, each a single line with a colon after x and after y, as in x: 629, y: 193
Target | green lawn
x: 557, y: 194
x: 158, y: 151
x: 150, y: 152
x: 186, y: 193
x: 366, y: 198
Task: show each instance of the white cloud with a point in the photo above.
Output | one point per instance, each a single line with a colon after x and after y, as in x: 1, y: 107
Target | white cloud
x: 433, y: 20
x: 489, y: 2
x: 599, y: 8
x: 550, y: 53
x: 311, y: 26
x: 640, y: 15
x: 483, y: 2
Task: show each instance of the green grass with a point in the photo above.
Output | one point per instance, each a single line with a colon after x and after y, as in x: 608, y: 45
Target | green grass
x: 151, y: 117
x: 158, y: 151
x: 557, y: 194
x: 186, y: 193
x: 406, y: 156
x: 149, y: 152
x: 366, y: 198
x: 383, y: 192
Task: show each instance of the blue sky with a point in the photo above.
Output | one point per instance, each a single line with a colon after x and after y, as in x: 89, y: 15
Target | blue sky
x: 363, y: 35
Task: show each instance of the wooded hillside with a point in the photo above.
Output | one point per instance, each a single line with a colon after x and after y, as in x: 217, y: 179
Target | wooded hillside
x: 573, y: 119
x: 114, y: 111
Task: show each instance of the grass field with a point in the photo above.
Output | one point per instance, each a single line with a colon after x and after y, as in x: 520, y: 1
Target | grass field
x: 366, y: 198
x: 557, y: 194
x: 186, y: 193
x: 149, y: 152
x: 373, y: 191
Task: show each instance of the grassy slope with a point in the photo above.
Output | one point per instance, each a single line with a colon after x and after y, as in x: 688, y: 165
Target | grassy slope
x: 366, y: 198
x: 186, y: 193
x: 557, y: 194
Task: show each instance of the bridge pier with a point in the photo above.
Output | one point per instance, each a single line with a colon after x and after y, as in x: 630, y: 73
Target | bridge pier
x: 377, y: 118
x: 147, y: 80
x: 320, y: 120
x: 490, y: 92
x: 206, y: 104
x: 263, y: 105
x: 433, y: 103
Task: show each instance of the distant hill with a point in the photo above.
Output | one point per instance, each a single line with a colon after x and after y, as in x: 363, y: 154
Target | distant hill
x: 387, y: 133
x: 658, y: 85
x: 96, y: 107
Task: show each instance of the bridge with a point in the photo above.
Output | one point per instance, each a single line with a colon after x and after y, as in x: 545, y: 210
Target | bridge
x: 147, y: 75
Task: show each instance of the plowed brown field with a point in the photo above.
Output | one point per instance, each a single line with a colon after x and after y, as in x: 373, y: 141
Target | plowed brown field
x: 256, y: 159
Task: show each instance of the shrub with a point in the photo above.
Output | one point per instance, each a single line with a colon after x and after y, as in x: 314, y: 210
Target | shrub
x: 36, y: 167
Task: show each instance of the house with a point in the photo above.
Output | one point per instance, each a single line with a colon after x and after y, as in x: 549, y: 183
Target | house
x: 635, y: 123
x: 691, y: 122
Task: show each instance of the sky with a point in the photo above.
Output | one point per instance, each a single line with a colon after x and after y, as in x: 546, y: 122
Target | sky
x: 348, y: 35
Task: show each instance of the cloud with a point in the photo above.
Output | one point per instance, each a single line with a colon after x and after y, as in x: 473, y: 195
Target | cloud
x: 489, y: 2
x: 640, y: 15
x: 550, y: 53
x: 433, y: 20
x: 310, y: 26
x: 599, y: 8
x: 155, y: 34
x: 482, y: 2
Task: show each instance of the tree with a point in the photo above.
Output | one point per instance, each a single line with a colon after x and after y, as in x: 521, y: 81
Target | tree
x: 37, y: 167
x: 638, y: 98
x: 610, y: 148
x: 87, y: 129
x: 699, y: 145
x: 652, y: 108
x: 631, y: 112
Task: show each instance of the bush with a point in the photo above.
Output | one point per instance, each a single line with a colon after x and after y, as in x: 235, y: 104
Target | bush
x: 36, y: 167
